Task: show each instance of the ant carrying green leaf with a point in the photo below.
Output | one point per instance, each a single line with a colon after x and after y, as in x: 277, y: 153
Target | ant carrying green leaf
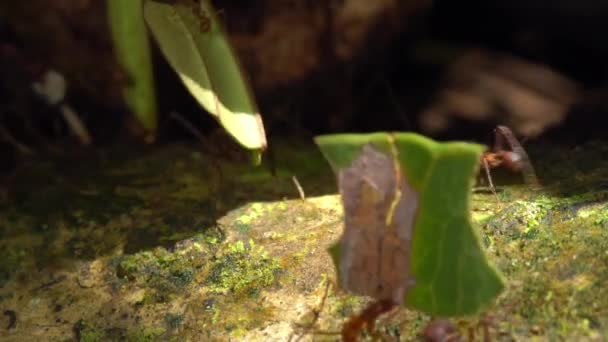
x: 399, y: 192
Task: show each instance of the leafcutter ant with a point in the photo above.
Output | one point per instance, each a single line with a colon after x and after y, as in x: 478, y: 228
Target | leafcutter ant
x: 516, y: 159
x: 200, y: 14
x: 365, y: 320
x: 352, y: 329
x: 442, y: 330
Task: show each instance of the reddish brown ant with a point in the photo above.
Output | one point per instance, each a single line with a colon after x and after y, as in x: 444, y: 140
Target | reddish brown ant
x: 516, y: 159
x: 200, y: 14
x: 351, y: 330
x: 365, y: 320
x: 442, y: 330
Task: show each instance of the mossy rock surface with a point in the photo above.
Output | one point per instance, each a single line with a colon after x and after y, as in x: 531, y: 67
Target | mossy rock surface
x: 160, y: 245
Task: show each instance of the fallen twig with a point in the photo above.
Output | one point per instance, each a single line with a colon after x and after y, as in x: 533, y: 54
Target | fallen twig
x: 294, y: 179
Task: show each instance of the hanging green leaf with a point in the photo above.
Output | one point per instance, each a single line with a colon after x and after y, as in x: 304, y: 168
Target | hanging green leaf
x: 133, y: 52
x: 407, y: 225
x: 193, y: 41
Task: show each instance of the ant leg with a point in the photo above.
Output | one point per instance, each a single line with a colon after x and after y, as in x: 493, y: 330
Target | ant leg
x: 316, y: 314
x: 471, y: 334
x: 486, y: 167
x: 487, y: 322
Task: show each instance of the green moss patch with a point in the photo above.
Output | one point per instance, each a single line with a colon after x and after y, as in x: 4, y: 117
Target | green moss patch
x: 243, y: 269
x: 167, y: 273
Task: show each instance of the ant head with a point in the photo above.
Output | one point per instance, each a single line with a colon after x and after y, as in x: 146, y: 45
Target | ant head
x: 493, y: 159
x: 440, y: 330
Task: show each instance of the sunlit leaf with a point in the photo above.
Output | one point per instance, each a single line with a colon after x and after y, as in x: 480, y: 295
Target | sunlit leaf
x: 451, y: 274
x: 193, y: 41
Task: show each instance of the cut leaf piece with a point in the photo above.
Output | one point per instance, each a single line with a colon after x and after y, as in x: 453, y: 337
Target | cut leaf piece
x: 451, y: 275
x: 379, y: 211
x: 193, y: 41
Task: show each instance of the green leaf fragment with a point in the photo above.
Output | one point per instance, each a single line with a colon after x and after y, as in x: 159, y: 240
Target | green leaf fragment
x: 452, y: 275
x: 194, y: 43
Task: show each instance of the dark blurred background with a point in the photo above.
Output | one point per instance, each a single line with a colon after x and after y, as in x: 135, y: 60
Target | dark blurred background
x: 448, y: 69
